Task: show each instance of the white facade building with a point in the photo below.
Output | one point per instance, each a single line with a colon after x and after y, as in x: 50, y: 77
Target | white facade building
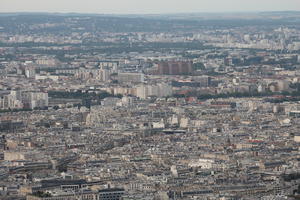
x: 158, y: 90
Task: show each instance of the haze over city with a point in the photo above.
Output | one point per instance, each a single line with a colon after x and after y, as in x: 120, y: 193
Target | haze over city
x: 149, y: 100
x: 147, y: 6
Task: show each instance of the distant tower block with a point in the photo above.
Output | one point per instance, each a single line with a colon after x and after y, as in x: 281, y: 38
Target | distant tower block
x: 175, y: 68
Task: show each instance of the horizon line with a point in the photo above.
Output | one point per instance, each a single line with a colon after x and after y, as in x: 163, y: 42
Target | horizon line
x: 162, y: 13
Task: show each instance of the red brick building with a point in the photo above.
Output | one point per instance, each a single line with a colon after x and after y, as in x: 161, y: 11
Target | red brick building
x: 175, y: 68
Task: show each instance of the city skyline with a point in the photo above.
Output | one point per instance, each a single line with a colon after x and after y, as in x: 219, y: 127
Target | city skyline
x: 153, y: 100
x: 148, y: 7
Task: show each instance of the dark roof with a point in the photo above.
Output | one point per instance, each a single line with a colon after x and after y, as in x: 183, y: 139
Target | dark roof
x: 59, y: 182
x: 112, y: 190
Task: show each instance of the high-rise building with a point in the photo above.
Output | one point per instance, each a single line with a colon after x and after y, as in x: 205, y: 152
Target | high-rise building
x: 99, y: 74
x: 11, y: 101
x: 142, y: 91
x: 30, y: 72
x: 175, y: 68
x: 110, y: 65
x: 131, y: 77
x: 23, y: 99
x: 158, y: 90
x: 103, y: 75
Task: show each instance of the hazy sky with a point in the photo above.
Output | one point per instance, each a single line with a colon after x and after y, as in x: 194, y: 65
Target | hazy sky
x: 146, y: 6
